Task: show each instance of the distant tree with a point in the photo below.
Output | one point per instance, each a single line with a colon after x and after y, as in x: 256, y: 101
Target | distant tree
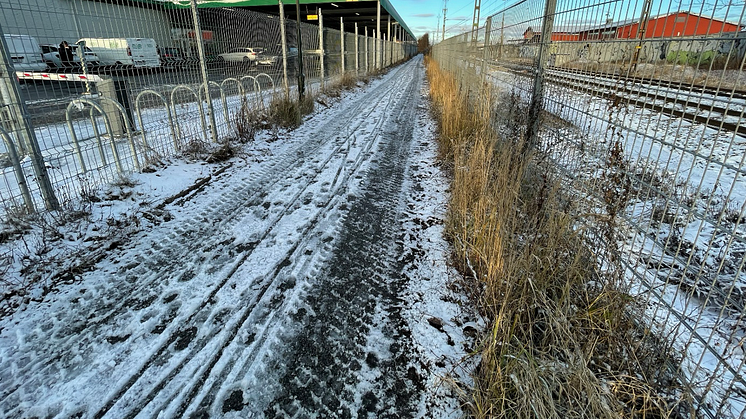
x: 423, y: 43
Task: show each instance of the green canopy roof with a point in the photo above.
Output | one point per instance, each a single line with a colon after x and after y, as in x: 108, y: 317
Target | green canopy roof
x: 385, y: 5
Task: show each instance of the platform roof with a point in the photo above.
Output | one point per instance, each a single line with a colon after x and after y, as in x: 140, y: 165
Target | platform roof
x: 362, y: 12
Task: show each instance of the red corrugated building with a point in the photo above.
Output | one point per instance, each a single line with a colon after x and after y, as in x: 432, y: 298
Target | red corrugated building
x: 678, y: 24
x: 662, y: 26
x: 565, y: 36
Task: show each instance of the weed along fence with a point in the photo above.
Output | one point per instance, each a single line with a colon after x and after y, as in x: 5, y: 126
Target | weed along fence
x: 94, y: 90
x: 639, y: 106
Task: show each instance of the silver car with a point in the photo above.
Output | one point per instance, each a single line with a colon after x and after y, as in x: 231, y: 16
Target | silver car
x: 246, y: 55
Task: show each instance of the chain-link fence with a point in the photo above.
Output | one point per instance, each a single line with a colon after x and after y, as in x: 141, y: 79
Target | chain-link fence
x: 657, y: 90
x: 93, y: 90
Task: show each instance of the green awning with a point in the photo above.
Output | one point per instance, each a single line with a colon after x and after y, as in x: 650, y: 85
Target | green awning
x: 385, y: 5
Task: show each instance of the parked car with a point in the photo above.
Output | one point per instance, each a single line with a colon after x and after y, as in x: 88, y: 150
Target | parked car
x: 25, y: 53
x: 273, y: 57
x: 171, y: 57
x: 90, y: 57
x: 245, y: 55
x: 52, y: 56
x: 129, y: 52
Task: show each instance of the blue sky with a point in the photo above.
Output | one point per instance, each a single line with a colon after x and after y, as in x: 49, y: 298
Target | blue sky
x: 423, y: 16
x: 426, y: 16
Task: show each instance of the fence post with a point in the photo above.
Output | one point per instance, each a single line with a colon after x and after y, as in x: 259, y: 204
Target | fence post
x: 383, y: 51
x: 357, y: 51
x: 13, y: 112
x: 485, y: 50
x: 203, y: 67
x: 283, y: 40
x: 342, y: 41
x: 20, y: 176
x: 388, y: 37
x: 299, y: 44
x: 502, y: 39
x: 377, y: 49
x: 321, y: 47
x: 537, y: 98
x: 367, y: 58
x: 107, y: 89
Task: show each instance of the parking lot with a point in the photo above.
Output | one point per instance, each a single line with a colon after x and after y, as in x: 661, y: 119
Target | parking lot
x: 46, y: 100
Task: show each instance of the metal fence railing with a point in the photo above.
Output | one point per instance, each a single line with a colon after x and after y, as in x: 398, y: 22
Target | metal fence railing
x: 662, y: 84
x: 91, y: 90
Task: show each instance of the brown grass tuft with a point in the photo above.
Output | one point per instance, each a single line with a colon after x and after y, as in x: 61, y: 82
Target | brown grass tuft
x: 561, y: 341
x: 286, y: 112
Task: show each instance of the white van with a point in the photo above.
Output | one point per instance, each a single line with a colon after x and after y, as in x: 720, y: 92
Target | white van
x: 25, y: 53
x: 134, y: 52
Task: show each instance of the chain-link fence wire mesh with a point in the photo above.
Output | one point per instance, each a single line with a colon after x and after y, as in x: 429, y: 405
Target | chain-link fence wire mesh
x: 656, y: 90
x: 110, y: 87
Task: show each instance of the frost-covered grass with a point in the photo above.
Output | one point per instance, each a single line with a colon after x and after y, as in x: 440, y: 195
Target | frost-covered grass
x: 561, y: 339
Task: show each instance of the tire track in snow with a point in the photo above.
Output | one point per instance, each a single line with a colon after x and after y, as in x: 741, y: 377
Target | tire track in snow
x: 230, y: 208
x: 209, y: 362
x: 141, y: 400
x: 248, y: 361
x: 344, y: 359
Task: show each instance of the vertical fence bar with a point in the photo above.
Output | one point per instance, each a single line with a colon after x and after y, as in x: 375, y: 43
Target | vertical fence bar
x: 388, y: 36
x: 342, y: 41
x: 357, y: 50
x: 321, y: 48
x: 367, y: 58
x: 485, y: 56
x: 502, y: 38
x: 377, y: 48
x: 283, y: 40
x: 537, y: 96
x: 20, y: 176
x: 299, y: 42
x: 203, y: 68
x: 384, y: 45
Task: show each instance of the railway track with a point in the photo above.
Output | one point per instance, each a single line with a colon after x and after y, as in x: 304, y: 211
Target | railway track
x: 721, y: 110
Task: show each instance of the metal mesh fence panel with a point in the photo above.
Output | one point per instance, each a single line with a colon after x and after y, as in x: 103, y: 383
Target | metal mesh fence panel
x: 350, y: 52
x: 333, y: 52
x: 656, y: 90
x: 92, y: 90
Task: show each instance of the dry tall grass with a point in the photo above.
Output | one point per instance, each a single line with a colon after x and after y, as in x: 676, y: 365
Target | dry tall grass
x: 561, y: 342
x: 287, y: 112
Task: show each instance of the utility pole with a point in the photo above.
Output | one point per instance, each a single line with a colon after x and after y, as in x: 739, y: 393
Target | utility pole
x: 445, y: 9
x: 475, y: 22
x: 641, y: 28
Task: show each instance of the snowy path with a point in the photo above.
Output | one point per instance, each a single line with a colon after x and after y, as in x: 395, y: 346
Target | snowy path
x: 280, y: 290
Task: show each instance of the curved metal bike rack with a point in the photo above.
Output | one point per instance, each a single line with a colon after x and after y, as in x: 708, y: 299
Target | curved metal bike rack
x: 271, y: 81
x: 199, y: 104
x: 97, y: 134
x: 267, y: 76
x: 206, y: 89
x: 259, y: 98
x: 168, y: 111
x: 237, y: 82
x: 107, y: 122
x: 20, y: 177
